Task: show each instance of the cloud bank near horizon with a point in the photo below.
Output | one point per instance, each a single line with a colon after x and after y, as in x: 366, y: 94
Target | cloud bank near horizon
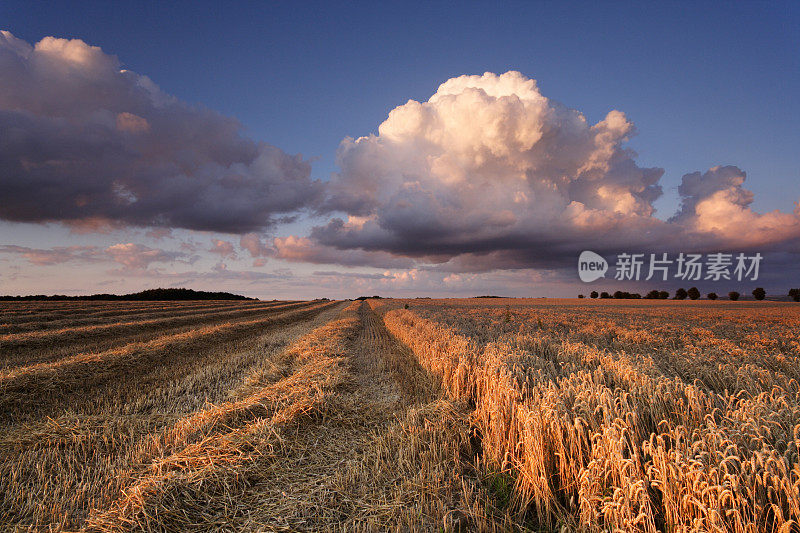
x: 487, y: 174
x: 91, y: 145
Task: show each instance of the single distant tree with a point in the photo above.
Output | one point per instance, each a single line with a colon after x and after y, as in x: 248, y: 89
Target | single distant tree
x: 794, y: 294
x: 653, y: 295
x: 618, y: 295
x: 681, y: 294
x: 759, y: 293
x: 604, y: 294
x: 663, y: 295
x: 712, y: 296
x: 693, y: 293
x: 733, y: 296
x: 581, y: 296
x: 593, y: 294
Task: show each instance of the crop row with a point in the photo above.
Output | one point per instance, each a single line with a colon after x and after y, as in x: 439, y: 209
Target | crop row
x: 603, y: 438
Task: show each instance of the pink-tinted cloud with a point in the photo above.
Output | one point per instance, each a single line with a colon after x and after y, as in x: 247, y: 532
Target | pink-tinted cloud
x: 222, y: 248
x: 159, y: 233
x: 715, y: 203
x: 253, y: 244
x: 93, y: 224
x: 138, y: 256
x: 56, y: 255
x: 129, y: 255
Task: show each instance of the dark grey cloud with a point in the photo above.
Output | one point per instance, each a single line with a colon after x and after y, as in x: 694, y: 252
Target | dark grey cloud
x: 305, y: 250
x: 85, y: 142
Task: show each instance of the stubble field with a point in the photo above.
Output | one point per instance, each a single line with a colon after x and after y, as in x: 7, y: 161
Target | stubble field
x: 479, y: 414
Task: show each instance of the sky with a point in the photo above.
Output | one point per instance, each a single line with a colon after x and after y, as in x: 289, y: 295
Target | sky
x: 297, y: 150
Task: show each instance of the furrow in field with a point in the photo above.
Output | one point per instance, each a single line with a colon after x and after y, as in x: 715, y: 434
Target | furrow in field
x: 239, y: 431
x: 109, y: 310
x: 318, y: 449
x: 17, y: 339
x: 66, y: 320
x: 38, y: 389
x: 54, y: 471
x: 31, y: 310
x: 38, y: 347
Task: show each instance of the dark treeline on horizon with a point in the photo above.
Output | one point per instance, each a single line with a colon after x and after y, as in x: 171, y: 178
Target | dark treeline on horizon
x: 146, y: 295
x: 682, y: 294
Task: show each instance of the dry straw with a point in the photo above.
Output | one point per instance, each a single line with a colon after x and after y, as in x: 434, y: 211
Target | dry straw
x: 601, y: 436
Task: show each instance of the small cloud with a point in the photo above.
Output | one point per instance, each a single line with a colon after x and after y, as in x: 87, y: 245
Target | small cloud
x: 90, y: 225
x: 159, y: 233
x: 56, y: 255
x: 716, y: 204
x: 222, y: 248
x: 128, y: 122
x: 190, y: 246
x: 253, y: 244
x: 138, y: 256
x: 357, y: 275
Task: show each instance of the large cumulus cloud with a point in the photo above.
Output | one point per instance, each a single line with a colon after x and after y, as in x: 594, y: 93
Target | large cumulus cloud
x: 489, y: 173
x: 85, y: 142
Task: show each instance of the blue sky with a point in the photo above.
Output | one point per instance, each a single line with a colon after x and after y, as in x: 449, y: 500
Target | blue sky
x: 704, y: 83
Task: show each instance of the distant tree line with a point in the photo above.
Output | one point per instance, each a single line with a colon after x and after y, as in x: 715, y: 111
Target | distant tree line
x: 681, y: 294
x: 147, y: 295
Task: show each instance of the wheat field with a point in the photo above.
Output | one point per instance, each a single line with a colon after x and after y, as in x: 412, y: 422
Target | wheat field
x: 400, y: 415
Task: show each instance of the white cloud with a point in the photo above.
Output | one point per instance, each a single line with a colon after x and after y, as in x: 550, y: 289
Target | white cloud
x: 489, y: 173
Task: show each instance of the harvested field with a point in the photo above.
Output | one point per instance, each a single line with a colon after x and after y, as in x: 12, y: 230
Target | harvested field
x: 418, y: 415
x: 38, y: 345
